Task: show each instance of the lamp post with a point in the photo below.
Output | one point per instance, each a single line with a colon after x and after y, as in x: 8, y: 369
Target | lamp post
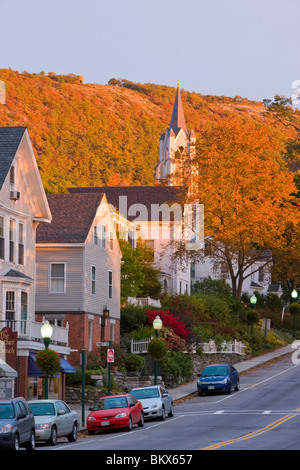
x: 157, y: 324
x: 46, y: 332
x: 294, y: 296
x: 253, y: 300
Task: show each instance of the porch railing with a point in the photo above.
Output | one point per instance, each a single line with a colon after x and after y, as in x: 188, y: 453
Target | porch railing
x: 31, y: 330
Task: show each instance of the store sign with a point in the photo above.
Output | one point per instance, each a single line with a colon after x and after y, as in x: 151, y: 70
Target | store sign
x: 8, y: 343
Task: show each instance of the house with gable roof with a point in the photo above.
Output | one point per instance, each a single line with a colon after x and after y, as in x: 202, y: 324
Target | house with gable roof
x: 23, y: 206
x: 157, y: 213
x: 78, y: 270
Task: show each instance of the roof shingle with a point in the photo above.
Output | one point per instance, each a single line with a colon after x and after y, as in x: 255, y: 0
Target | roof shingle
x: 72, y: 215
x: 10, y: 138
x: 144, y: 195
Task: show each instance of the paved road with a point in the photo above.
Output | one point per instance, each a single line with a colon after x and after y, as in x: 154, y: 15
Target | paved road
x: 263, y: 415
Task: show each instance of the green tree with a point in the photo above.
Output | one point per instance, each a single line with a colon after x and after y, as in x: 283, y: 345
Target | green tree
x: 132, y: 272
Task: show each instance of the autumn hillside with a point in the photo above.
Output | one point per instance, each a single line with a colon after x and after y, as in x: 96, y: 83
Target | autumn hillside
x: 91, y: 134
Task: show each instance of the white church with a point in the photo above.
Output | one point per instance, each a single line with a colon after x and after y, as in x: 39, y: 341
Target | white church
x: 177, y: 144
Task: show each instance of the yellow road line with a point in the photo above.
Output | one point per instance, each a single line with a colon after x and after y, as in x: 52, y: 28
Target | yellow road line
x: 252, y: 434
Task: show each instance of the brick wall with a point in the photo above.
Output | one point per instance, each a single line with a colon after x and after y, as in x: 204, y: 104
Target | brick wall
x: 79, y: 326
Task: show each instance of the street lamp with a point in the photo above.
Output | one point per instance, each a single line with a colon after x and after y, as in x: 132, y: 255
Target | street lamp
x: 294, y: 296
x: 46, y: 332
x: 253, y: 300
x: 157, y: 324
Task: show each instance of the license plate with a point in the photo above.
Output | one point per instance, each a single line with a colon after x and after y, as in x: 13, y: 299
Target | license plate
x: 211, y: 387
x: 104, y: 423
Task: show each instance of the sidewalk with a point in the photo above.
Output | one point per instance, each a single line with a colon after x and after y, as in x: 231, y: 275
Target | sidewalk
x: 184, y: 391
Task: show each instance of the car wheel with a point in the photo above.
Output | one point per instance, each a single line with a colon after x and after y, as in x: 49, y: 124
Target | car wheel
x: 73, y: 436
x: 142, y: 422
x: 229, y: 388
x: 16, y: 443
x: 31, y: 444
x: 163, y: 414
x: 53, y: 437
x: 129, y: 427
x: 237, y: 387
x: 171, y: 412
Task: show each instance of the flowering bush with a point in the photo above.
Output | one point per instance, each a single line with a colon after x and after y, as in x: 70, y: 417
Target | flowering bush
x: 48, y: 361
x: 157, y: 349
x: 169, y: 321
x: 173, y: 341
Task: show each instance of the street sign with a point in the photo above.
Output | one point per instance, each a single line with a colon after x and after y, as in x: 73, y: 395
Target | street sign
x: 103, y: 343
x: 110, y: 355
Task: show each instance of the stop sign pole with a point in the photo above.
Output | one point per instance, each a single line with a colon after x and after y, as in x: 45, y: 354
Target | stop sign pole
x: 110, y: 359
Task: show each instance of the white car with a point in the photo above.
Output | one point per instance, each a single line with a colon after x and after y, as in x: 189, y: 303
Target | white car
x: 156, y: 400
x: 53, y: 419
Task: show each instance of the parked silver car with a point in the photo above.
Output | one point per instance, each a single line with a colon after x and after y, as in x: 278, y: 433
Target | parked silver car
x: 156, y: 400
x: 53, y: 419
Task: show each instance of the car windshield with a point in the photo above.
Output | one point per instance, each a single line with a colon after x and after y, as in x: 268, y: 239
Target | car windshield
x: 42, y: 409
x: 6, y: 411
x: 215, y: 370
x: 145, y: 393
x: 108, y: 403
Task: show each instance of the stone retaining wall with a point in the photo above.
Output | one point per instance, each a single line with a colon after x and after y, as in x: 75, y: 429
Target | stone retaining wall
x: 127, y: 382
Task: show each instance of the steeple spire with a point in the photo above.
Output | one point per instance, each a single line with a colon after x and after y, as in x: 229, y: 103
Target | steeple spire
x: 177, y: 119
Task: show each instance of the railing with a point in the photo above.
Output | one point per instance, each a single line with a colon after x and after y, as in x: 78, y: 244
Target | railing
x: 32, y: 330
x: 140, y: 346
x: 143, y: 301
x: 236, y: 347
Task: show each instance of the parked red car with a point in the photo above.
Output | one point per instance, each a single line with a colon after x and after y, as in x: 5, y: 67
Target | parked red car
x: 115, y: 411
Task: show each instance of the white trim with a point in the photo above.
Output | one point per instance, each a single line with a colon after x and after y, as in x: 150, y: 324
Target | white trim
x: 49, y: 277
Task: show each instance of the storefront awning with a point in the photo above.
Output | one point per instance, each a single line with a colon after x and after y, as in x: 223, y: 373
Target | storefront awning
x: 34, y: 371
x: 65, y: 367
x: 7, y: 371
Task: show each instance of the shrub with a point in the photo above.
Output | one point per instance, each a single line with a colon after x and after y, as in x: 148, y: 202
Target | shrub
x: 294, y: 309
x: 170, y: 321
x: 135, y: 362
x: 173, y: 341
x: 157, y: 349
x: 177, y: 364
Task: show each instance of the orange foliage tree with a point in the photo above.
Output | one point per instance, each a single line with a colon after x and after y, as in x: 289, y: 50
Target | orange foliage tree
x: 247, y: 195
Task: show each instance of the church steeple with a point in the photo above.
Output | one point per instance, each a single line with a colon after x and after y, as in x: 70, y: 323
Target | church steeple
x: 177, y: 141
x: 177, y: 119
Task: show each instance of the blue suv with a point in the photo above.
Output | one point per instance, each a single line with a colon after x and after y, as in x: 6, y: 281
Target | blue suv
x: 17, y: 424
